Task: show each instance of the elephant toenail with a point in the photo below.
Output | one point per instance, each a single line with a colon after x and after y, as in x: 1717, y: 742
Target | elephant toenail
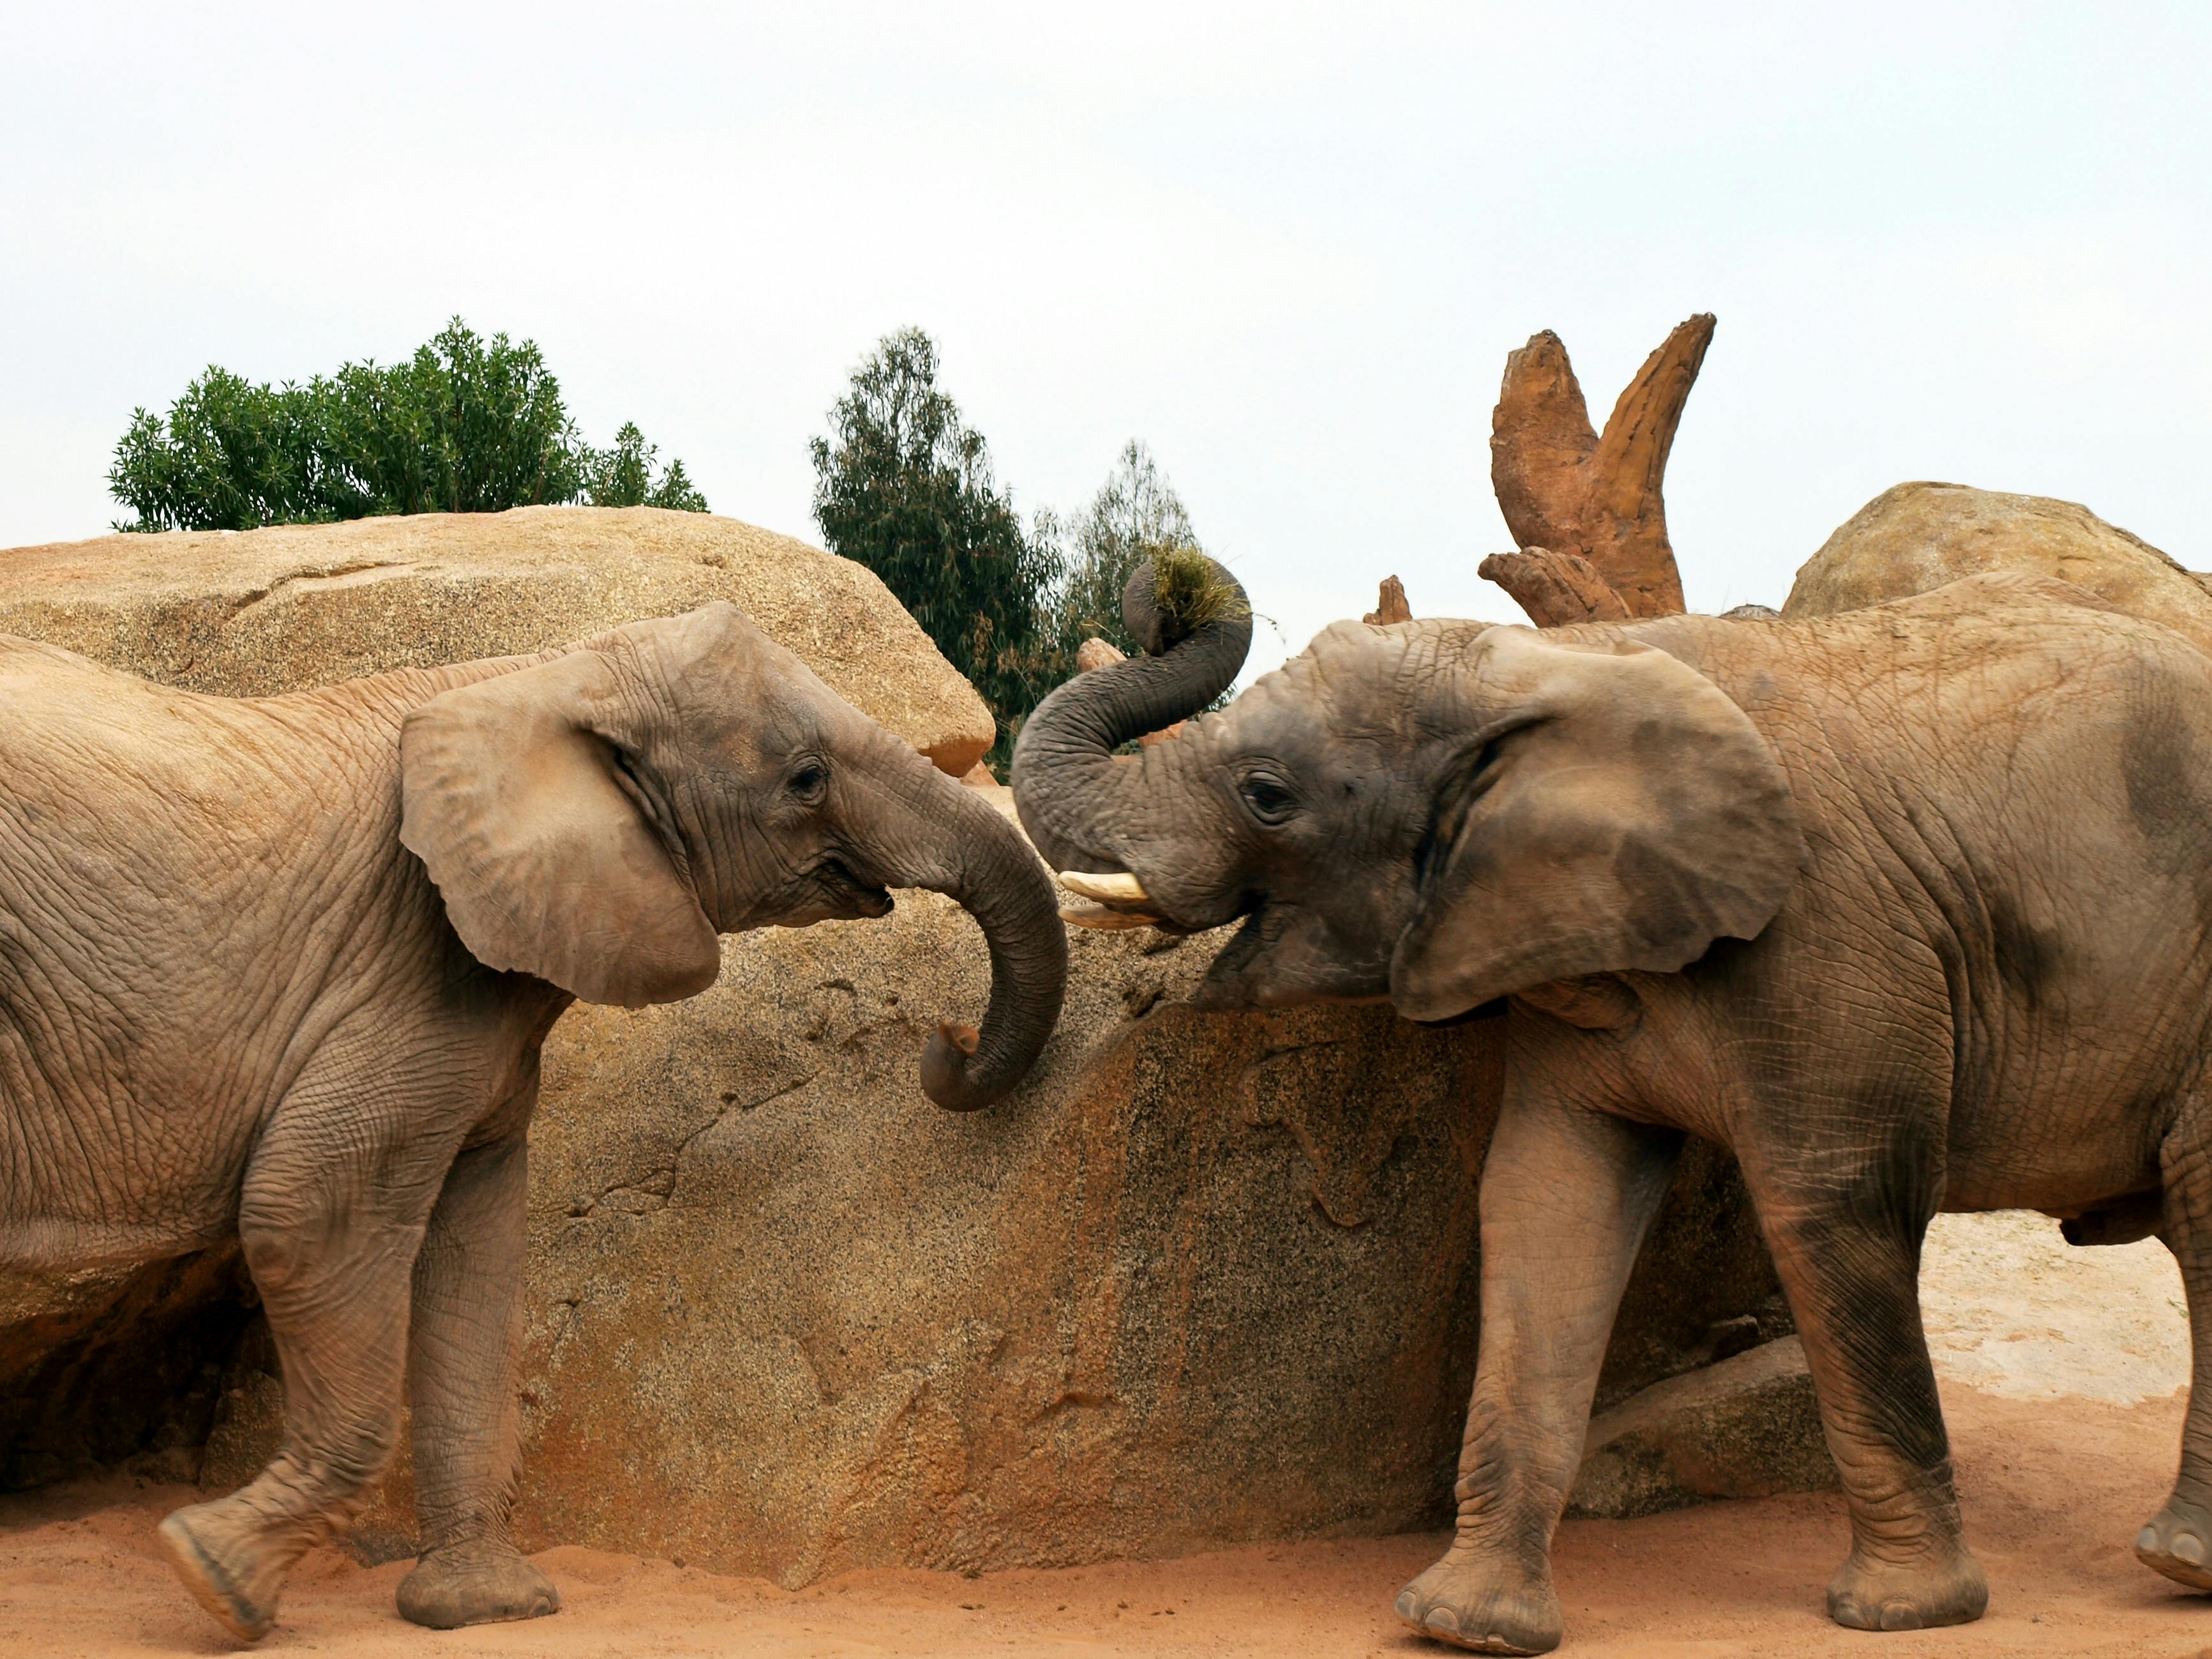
x: 2187, y: 1546
x: 1407, y: 1605
x: 2147, y: 1538
x: 1443, y: 1620
x: 1899, y: 1615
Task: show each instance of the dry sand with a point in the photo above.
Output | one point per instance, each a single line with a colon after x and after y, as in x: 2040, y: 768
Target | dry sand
x: 2062, y: 1372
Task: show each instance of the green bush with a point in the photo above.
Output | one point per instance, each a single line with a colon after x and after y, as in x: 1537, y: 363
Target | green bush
x: 465, y: 425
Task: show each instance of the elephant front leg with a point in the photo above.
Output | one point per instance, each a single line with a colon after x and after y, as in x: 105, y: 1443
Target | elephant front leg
x: 1846, y: 1244
x: 467, y: 1338
x: 1567, y: 1194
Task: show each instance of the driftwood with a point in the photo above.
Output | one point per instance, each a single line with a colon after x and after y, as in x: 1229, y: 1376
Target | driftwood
x: 1588, y: 511
x: 1555, y: 588
x: 1391, y: 603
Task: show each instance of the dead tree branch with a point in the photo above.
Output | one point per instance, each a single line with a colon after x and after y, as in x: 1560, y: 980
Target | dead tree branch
x: 1568, y: 493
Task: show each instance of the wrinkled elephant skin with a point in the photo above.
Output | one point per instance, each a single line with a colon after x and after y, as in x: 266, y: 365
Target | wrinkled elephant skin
x: 1906, y: 906
x: 278, y: 971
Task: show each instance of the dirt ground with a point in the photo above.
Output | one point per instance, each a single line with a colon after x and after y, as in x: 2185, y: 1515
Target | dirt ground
x: 2062, y: 1377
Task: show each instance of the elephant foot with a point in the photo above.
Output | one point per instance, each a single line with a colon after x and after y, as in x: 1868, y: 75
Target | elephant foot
x: 1939, y: 1590
x: 1483, y: 1604
x: 2178, y: 1542
x: 224, y: 1556
x: 482, y: 1582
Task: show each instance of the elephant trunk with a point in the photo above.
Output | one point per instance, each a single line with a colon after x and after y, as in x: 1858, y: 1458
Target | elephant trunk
x: 944, y: 838
x: 1076, y: 802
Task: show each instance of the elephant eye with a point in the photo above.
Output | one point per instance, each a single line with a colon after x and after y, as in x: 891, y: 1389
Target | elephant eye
x: 1266, y: 798
x: 809, y: 781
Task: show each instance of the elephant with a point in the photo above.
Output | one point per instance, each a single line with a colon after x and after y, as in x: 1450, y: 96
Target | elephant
x: 1905, y: 907
x: 278, y: 971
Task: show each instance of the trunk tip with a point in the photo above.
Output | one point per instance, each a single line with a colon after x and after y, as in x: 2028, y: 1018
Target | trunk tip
x: 945, y: 1068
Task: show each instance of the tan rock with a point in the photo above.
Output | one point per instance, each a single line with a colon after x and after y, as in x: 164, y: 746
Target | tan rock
x: 1914, y: 537
x: 277, y: 610
x: 1391, y: 603
x: 1745, y: 1427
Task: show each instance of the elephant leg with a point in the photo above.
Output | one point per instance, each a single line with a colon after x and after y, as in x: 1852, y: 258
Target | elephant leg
x: 462, y: 1357
x: 2177, y: 1540
x: 1567, y: 1194
x: 1846, y: 1244
x: 329, y: 1216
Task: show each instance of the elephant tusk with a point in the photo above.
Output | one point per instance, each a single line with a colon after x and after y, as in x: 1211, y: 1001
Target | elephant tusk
x: 1099, y: 916
x: 1116, y: 889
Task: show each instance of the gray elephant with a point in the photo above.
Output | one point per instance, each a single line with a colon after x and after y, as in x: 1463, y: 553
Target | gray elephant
x: 280, y: 970
x: 1906, y: 907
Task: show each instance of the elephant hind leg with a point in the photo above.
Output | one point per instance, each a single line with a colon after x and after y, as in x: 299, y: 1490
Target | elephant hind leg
x: 2178, y: 1540
x: 331, y: 1217
x: 1845, y: 1234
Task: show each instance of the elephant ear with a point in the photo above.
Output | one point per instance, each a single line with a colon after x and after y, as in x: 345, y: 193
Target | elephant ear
x: 1620, y: 813
x: 513, y: 800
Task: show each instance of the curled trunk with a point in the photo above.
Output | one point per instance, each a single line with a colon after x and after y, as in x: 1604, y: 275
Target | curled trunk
x: 931, y: 832
x: 1077, y: 800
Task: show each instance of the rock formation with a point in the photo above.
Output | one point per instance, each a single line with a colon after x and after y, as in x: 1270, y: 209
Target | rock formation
x: 1206, y: 1279
x: 1390, y: 605
x: 1914, y: 537
x: 1746, y: 1426
x: 281, y: 609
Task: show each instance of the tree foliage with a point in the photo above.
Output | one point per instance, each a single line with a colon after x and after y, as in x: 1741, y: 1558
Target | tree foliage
x: 465, y: 425
x: 904, y: 486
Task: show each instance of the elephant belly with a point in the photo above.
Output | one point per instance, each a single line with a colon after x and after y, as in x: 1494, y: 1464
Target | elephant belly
x: 2064, y: 1126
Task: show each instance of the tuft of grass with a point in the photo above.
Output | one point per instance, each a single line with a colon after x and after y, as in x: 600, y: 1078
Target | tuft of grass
x: 1189, y: 594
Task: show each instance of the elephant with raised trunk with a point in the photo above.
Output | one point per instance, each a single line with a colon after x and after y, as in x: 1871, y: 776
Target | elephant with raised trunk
x: 279, y: 971
x: 1906, y: 907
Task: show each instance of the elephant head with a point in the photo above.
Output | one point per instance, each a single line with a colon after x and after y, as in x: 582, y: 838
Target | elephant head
x: 599, y: 818
x: 1436, y: 813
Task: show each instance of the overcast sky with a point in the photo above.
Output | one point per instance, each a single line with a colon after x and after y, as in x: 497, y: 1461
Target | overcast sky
x: 1289, y: 247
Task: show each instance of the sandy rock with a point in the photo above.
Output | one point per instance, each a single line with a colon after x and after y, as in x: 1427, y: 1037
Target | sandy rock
x: 2010, y: 1307
x: 280, y: 609
x: 1917, y: 536
x: 1391, y: 603
x: 1745, y: 1427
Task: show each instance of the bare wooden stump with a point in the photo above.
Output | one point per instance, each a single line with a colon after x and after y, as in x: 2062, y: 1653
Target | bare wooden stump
x: 1391, y: 603
x: 1569, y: 494
x: 1555, y: 588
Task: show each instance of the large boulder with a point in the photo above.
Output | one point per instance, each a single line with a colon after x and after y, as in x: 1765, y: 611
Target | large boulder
x: 250, y: 614
x: 1204, y: 1278
x: 1747, y: 1426
x: 1914, y: 537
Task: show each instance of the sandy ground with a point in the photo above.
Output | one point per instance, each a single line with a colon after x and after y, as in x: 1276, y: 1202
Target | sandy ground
x: 2062, y: 1375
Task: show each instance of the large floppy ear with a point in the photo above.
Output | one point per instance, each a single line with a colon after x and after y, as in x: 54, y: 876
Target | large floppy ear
x: 546, y: 862
x: 1618, y: 812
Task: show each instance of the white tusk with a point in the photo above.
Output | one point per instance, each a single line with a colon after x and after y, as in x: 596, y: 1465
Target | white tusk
x: 1106, y: 889
x: 1099, y: 916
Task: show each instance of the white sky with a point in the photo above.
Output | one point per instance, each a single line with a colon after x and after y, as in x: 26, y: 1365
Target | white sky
x: 1288, y: 245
